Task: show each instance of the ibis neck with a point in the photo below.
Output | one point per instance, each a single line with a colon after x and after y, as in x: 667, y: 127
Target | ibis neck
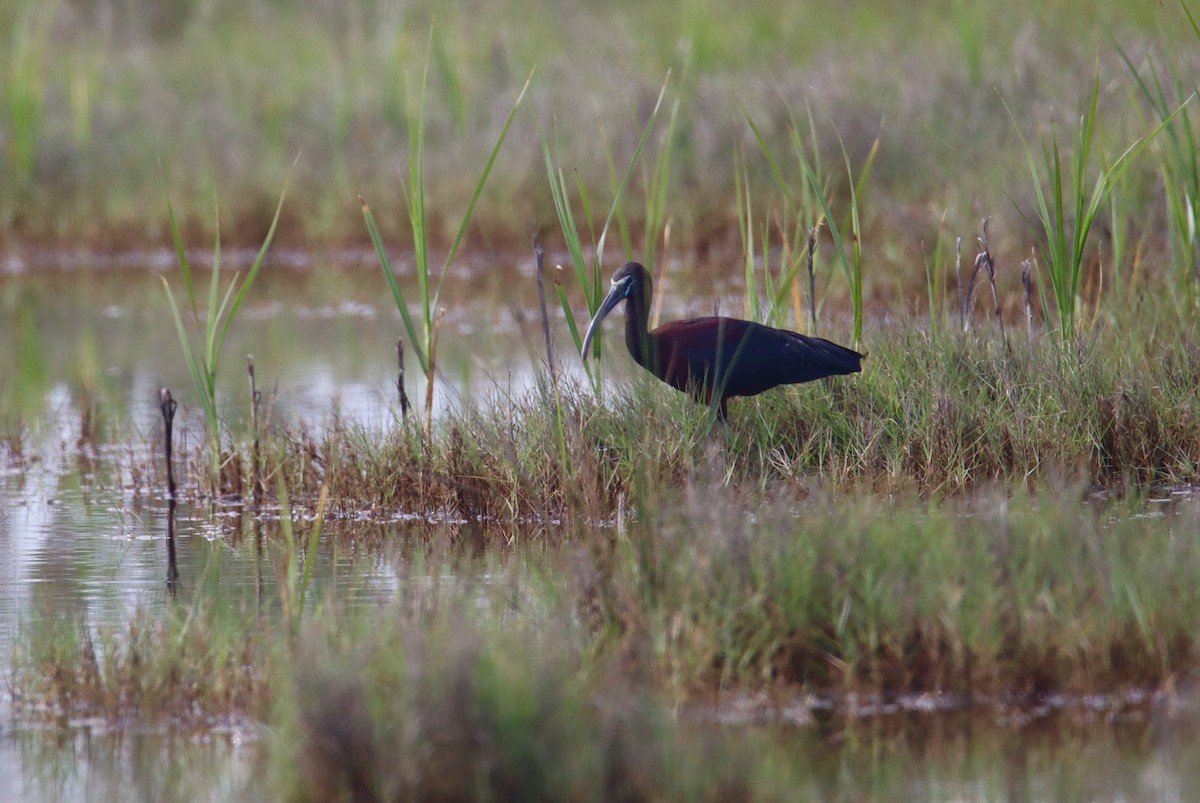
x: 638, y: 340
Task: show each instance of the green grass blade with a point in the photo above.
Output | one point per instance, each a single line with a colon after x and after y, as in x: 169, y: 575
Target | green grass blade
x: 214, y: 346
x: 576, y: 338
x: 212, y: 321
x: 199, y: 376
x: 389, y: 276
x: 574, y: 244
x: 255, y: 266
x: 741, y: 185
x: 1191, y: 18
x: 633, y: 161
x: 416, y: 201
x: 181, y: 254
x: 566, y: 222
x: 783, y: 184
x: 487, y: 170
x: 622, y: 217
x: 656, y: 190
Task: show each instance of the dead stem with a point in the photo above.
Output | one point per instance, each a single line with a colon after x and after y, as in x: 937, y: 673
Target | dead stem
x: 400, y: 380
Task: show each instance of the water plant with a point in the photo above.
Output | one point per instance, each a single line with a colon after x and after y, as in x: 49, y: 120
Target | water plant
x: 296, y: 563
x: 589, y: 274
x: 220, y: 313
x: 811, y: 209
x: 424, y: 340
x: 1178, y: 166
x: 22, y: 78
x: 1065, y: 215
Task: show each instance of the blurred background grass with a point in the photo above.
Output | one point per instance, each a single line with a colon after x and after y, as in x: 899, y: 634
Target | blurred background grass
x: 106, y: 103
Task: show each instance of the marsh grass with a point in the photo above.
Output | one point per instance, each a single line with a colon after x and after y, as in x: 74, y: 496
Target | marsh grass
x: 1066, y: 215
x: 1167, y: 93
x: 1031, y: 596
x: 196, y: 665
x: 936, y: 413
x: 571, y: 671
x: 482, y: 717
x: 218, y: 317
x: 808, y: 211
x: 424, y: 341
x: 589, y: 273
x: 238, y: 87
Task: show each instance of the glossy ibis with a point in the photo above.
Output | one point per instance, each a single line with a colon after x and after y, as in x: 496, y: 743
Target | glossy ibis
x: 716, y: 356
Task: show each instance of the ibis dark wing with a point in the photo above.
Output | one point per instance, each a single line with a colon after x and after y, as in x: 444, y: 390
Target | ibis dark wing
x: 745, y: 358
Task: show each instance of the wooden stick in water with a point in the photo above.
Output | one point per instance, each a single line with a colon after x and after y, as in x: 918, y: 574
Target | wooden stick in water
x: 540, y: 256
x: 168, y: 406
x: 400, y: 380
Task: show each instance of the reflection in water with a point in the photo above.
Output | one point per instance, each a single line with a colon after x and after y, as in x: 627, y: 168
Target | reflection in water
x: 88, y: 762
x: 82, y: 549
x: 1078, y: 753
x: 172, y: 563
x: 169, y: 407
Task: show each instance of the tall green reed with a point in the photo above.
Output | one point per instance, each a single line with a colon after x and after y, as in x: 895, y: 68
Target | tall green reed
x: 1067, y: 212
x: 779, y: 284
x: 1178, y: 165
x: 203, y: 362
x: 813, y: 208
x: 589, y: 273
x: 22, y: 79
x: 424, y: 341
x: 935, y: 281
x: 656, y: 180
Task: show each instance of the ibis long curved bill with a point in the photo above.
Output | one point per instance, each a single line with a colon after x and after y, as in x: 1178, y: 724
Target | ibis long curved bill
x: 716, y: 358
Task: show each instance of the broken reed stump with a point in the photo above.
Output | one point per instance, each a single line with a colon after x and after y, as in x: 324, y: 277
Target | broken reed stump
x: 168, y: 406
x: 985, y: 261
x: 255, y: 398
x: 540, y: 256
x: 1027, y: 283
x: 986, y: 264
x: 812, y: 280
x: 400, y: 380
x: 962, y: 301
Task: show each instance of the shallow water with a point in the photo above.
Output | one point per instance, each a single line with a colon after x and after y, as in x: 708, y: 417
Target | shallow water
x: 77, y: 544
x: 323, y: 335
x: 74, y: 547
x: 322, y: 330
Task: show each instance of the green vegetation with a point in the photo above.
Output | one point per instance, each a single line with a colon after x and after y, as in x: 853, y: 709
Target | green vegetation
x: 1071, y: 211
x: 555, y: 677
x: 228, y: 93
x: 218, y: 318
x: 935, y: 413
x: 965, y: 518
x: 1178, y: 165
x: 425, y: 341
x: 589, y: 273
x: 810, y: 212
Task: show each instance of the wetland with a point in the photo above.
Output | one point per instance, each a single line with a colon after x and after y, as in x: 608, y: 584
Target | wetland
x: 968, y: 572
